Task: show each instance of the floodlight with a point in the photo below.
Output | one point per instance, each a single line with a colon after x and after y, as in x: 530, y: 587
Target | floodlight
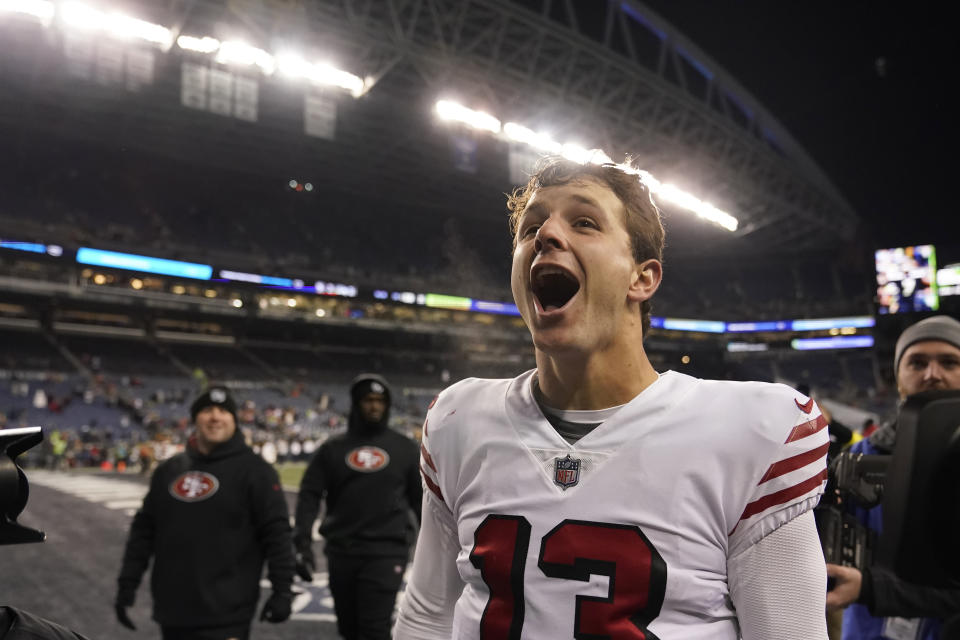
x: 293, y: 66
x: 544, y: 143
x: 540, y: 141
x: 82, y: 16
x: 327, y: 74
x: 236, y: 52
x: 206, y: 44
x: 322, y: 73
x: 126, y: 27
x: 449, y: 110
x: 42, y: 9
x: 702, y: 209
x: 575, y: 153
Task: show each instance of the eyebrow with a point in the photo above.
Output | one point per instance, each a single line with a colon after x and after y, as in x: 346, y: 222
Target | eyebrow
x: 933, y: 356
x: 587, y: 200
x: 538, y: 206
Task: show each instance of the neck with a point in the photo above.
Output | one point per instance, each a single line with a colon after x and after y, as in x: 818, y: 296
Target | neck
x: 203, y: 446
x: 597, y: 380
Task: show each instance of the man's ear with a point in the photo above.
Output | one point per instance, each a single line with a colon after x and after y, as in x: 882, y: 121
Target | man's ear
x: 645, y: 280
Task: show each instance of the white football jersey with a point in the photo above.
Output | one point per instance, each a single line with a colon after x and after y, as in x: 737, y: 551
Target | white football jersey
x: 625, y: 534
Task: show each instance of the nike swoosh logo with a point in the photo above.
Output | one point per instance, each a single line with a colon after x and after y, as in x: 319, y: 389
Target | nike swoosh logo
x: 806, y: 407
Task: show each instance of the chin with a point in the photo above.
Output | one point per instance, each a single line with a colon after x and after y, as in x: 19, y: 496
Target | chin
x: 555, y: 342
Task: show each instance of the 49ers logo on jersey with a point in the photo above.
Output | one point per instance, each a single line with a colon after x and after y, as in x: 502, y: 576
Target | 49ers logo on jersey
x: 368, y: 459
x: 194, y: 486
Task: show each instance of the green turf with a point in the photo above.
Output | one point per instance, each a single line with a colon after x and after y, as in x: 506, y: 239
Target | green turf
x: 291, y: 473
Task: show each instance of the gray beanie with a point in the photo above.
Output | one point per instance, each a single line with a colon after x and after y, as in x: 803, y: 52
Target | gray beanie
x: 942, y: 328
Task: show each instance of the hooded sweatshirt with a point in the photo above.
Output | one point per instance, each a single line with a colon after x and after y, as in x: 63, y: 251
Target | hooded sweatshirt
x: 370, y: 478
x: 210, y: 521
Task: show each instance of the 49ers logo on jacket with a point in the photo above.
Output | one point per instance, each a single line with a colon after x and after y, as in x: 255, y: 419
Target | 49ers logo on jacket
x: 368, y: 459
x: 194, y: 486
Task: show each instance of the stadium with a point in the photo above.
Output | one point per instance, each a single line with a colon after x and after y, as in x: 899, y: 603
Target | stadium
x: 276, y: 195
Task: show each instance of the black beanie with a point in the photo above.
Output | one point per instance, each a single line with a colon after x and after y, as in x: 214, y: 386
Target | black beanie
x: 366, y: 383
x: 214, y: 396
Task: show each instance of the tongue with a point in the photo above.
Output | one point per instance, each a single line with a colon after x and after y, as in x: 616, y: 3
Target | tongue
x: 550, y: 307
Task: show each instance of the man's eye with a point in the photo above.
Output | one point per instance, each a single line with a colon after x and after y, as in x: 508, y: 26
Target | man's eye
x: 530, y: 229
x: 586, y: 222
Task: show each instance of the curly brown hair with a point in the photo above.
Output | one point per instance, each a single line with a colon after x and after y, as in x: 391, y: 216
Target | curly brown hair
x: 643, y: 222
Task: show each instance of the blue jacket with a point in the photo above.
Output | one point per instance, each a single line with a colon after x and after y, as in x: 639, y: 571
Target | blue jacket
x: 858, y: 623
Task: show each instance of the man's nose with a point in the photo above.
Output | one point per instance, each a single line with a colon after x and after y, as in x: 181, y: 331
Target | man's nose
x: 933, y: 371
x: 549, y: 236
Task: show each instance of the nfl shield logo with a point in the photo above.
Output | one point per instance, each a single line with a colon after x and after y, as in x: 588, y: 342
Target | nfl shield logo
x: 566, y: 472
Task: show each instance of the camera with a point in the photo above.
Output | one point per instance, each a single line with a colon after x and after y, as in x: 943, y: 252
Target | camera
x: 14, y: 490
x: 920, y: 492
x: 855, y: 482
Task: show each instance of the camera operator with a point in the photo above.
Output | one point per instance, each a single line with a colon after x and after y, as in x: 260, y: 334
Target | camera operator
x: 881, y: 606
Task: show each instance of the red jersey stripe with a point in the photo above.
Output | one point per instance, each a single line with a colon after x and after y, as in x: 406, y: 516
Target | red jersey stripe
x: 793, y: 463
x: 807, y: 429
x: 427, y: 458
x: 806, y: 407
x: 431, y: 485
x: 780, y: 497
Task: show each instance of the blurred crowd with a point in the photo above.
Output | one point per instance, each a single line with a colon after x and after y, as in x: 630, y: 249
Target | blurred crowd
x: 131, y: 424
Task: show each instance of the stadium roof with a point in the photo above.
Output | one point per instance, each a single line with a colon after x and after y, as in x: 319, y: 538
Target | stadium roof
x: 614, y: 76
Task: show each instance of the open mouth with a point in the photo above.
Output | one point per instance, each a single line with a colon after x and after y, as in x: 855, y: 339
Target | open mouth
x: 553, y: 287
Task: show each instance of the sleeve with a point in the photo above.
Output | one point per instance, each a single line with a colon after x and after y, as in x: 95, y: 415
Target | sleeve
x: 139, y: 549
x: 415, y: 490
x: 272, y: 522
x: 778, y: 585
x: 312, y: 488
x: 886, y: 595
x: 795, y: 478
x: 426, y: 610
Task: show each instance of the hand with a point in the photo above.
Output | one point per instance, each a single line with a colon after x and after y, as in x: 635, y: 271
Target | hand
x: 306, y: 565
x: 847, y: 588
x: 277, y: 607
x: 120, y: 608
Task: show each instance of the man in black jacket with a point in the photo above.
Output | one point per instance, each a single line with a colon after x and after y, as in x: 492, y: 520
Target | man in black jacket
x: 370, y: 478
x: 211, y: 518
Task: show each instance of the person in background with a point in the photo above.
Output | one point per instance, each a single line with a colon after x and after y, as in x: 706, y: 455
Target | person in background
x: 880, y: 606
x: 370, y: 479
x: 211, y: 518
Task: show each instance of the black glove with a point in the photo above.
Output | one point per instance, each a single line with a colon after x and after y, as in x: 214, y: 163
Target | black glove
x: 306, y: 564
x: 277, y: 607
x: 124, y: 600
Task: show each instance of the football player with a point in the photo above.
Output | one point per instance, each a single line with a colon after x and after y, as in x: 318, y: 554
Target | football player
x: 594, y: 497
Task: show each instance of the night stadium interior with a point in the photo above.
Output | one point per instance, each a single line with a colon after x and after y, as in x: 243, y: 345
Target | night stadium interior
x: 403, y: 230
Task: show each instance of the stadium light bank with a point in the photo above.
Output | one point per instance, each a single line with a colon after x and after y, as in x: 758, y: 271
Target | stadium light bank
x: 452, y: 111
x: 84, y: 17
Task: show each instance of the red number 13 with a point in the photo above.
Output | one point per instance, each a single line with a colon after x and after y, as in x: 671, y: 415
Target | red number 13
x: 573, y: 550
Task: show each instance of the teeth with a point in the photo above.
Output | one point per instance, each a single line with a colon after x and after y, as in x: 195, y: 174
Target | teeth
x: 550, y: 271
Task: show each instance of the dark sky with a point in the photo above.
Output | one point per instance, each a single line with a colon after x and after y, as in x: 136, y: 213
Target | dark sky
x: 862, y: 86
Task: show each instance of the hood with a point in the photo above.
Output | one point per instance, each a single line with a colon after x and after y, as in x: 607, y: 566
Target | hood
x: 362, y: 385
